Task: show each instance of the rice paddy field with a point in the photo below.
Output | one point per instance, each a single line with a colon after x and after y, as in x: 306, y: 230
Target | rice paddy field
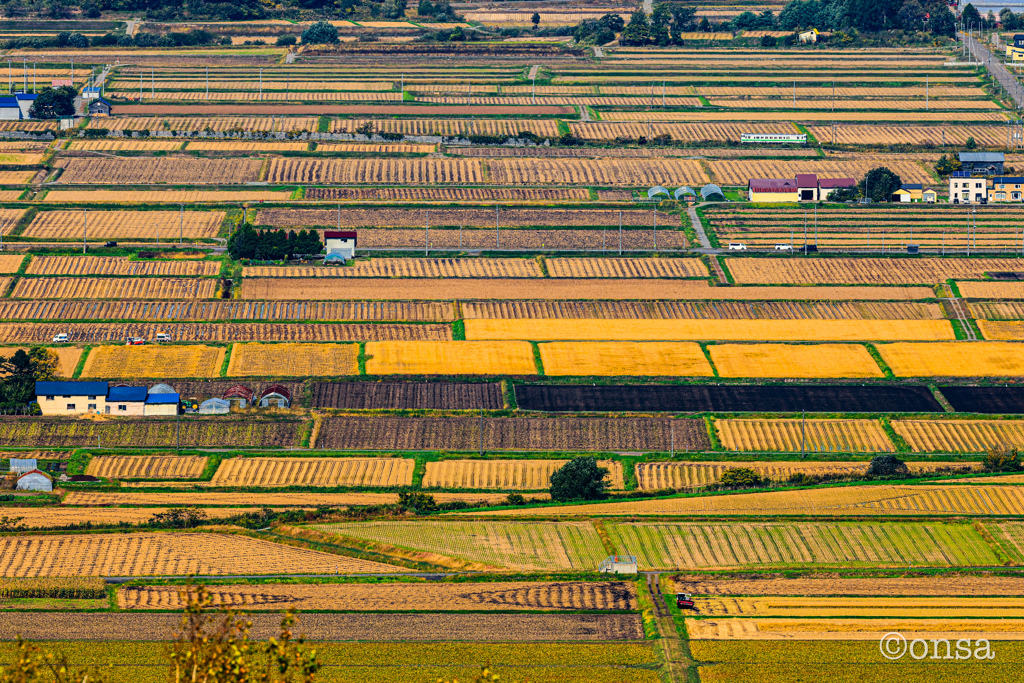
x: 513, y: 305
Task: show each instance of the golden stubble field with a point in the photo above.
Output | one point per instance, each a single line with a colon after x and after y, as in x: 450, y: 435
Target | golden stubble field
x: 449, y: 358
x: 621, y: 358
x: 954, y: 359
x: 293, y: 360
x: 154, y: 361
x: 793, y: 360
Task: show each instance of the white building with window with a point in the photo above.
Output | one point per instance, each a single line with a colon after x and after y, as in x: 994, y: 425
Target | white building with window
x: 71, y: 398
x: 967, y: 190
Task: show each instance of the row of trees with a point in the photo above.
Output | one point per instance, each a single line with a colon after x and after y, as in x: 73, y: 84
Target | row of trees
x: 273, y: 245
x: 22, y: 370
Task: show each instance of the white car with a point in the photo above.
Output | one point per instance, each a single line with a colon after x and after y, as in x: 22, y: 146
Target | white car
x: 61, y: 338
x: 783, y: 247
x: 163, y: 337
x: 737, y: 246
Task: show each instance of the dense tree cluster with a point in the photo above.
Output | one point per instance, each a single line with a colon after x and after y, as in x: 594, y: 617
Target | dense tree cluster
x: 273, y: 245
x: 867, y: 15
x: 53, y: 103
x: 23, y: 369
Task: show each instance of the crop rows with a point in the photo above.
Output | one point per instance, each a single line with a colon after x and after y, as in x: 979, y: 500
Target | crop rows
x: 330, y: 472
x: 170, y: 170
x: 154, y: 361
x: 959, y: 436
x: 164, y: 196
x: 524, y: 475
x: 300, y: 97
x: 146, y: 466
x: 8, y: 219
x: 219, y: 124
x: 124, y: 224
x: 452, y: 127
x: 719, y: 310
x: 447, y: 194
x: 626, y: 268
x: 846, y: 134
x: 42, y: 333
x: 690, y: 132
x: 997, y: 116
x: 653, y: 476
x: 861, y: 606
x: 501, y: 595
x: 401, y: 171
x: 253, y: 85
x: 860, y: 104
x: 738, y: 172
x: 101, y: 145
x: 374, y: 148
x: 622, y: 358
x: 50, y: 433
x: 526, y: 239
x: 553, y: 100
x: 294, y: 360
x: 951, y: 585
x: 414, y: 395
x: 114, y: 288
x: 816, y: 436
x: 863, y: 270
x: 859, y: 93
x: 409, y: 267
x: 423, y: 311
x: 155, y: 554
x: 115, y: 265
x: 604, y: 172
x: 516, y: 434
x: 423, y: 218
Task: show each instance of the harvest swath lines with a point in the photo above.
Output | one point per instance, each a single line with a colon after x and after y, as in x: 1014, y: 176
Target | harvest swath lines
x: 831, y: 630
x: 168, y: 196
x: 114, y: 288
x: 517, y: 545
x: 545, y: 128
x: 220, y: 124
x: 954, y: 359
x: 149, y: 554
x: 654, y: 476
x: 863, y: 270
x: 401, y: 171
x: 959, y: 436
x: 720, y: 310
x: 124, y: 224
x: 846, y: 134
x: 861, y: 606
x: 129, y: 145
x: 8, y: 219
x: 874, y: 105
x: 792, y: 360
x: 738, y: 172
x: 782, y: 330
x: 16, y: 177
x: 153, y: 432
x: 449, y: 358
x: 605, y: 172
x: 624, y: 358
x: 409, y: 267
x: 141, y: 171
x: 447, y: 194
x: 272, y: 472
x: 815, y: 435
x: 475, y: 217
x: 505, y: 595
x: 296, y: 360
x: 154, y: 361
x: 626, y: 268
x: 375, y: 148
x: 757, y: 116
x: 115, y: 265
x: 146, y: 466
x: 503, y: 474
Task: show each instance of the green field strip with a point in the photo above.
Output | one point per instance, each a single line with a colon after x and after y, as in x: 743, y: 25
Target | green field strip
x: 86, y: 350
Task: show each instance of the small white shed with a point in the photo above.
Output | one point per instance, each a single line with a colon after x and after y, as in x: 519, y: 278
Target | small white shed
x: 23, y: 465
x: 214, y: 406
x: 618, y: 564
x: 34, y: 481
x: 341, y: 243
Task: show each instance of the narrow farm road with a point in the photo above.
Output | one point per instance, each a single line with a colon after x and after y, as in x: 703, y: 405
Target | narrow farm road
x: 996, y: 68
x: 698, y: 228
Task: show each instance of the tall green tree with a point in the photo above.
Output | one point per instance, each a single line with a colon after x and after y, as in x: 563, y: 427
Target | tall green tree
x: 879, y: 184
x: 54, y: 103
x: 638, y: 31
x: 579, y: 479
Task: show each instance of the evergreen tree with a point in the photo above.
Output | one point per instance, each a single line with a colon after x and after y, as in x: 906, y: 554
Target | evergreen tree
x: 637, y: 32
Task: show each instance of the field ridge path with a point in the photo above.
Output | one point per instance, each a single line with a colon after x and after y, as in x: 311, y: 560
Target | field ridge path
x: 698, y: 227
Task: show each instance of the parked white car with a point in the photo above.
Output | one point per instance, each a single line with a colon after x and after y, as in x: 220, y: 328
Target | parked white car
x: 61, y: 338
x: 737, y: 246
x: 783, y: 247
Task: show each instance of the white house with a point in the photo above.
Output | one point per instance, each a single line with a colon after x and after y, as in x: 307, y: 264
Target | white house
x: 71, y: 398
x: 340, y: 243
x: 126, y: 401
x: 967, y: 190
x: 34, y: 481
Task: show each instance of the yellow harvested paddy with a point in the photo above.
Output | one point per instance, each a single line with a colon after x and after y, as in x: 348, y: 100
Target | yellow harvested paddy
x: 652, y: 359
x: 154, y: 361
x: 959, y: 436
x: 954, y: 359
x: 449, y: 358
x: 747, y: 330
x: 293, y: 360
x: 794, y: 360
x: 815, y: 436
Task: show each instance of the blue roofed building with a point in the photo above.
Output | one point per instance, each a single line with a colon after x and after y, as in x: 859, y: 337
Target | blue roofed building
x: 25, y: 102
x: 126, y: 401
x: 162, y: 404
x: 71, y: 398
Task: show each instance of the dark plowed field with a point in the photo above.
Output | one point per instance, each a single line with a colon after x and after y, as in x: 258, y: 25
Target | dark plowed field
x: 991, y: 400
x: 407, y: 395
x: 730, y: 398
x: 511, y: 434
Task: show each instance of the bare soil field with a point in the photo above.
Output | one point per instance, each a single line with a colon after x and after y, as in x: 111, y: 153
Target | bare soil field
x: 407, y: 395
x: 565, y: 595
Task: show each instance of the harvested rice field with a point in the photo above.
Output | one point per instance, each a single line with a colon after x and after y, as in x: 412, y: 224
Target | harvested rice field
x: 114, y: 288
x: 158, y: 362
x: 165, y: 196
x: 10, y: 263
x: 293, y: 360
x: 166, y: 225
x: 329, y: 472
x: 67, y: 356
x: 626, y: 268
x: 116, y: 265
x: 384, y: 597
x: 408, y: 267
x: 874, y: 271
x: 754, y: 330
x: 959, y: 436
x: 955, y: 585
x: 954, y: 359
x: 622, y: 358
x: 146, y: 466
x: 166, y: 554
x: 993, y: 290
x: 814, y: 436
x: 8, y: 219
x: 654, y: 476
x: 505, y: 474
x: 773, y: 629
x: 861, y: 606
x: 450, y: 358
x: 720, y: 310
x: 793, y: 360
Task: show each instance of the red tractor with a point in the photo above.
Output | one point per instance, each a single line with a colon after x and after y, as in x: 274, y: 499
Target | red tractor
x: 685, y: 601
